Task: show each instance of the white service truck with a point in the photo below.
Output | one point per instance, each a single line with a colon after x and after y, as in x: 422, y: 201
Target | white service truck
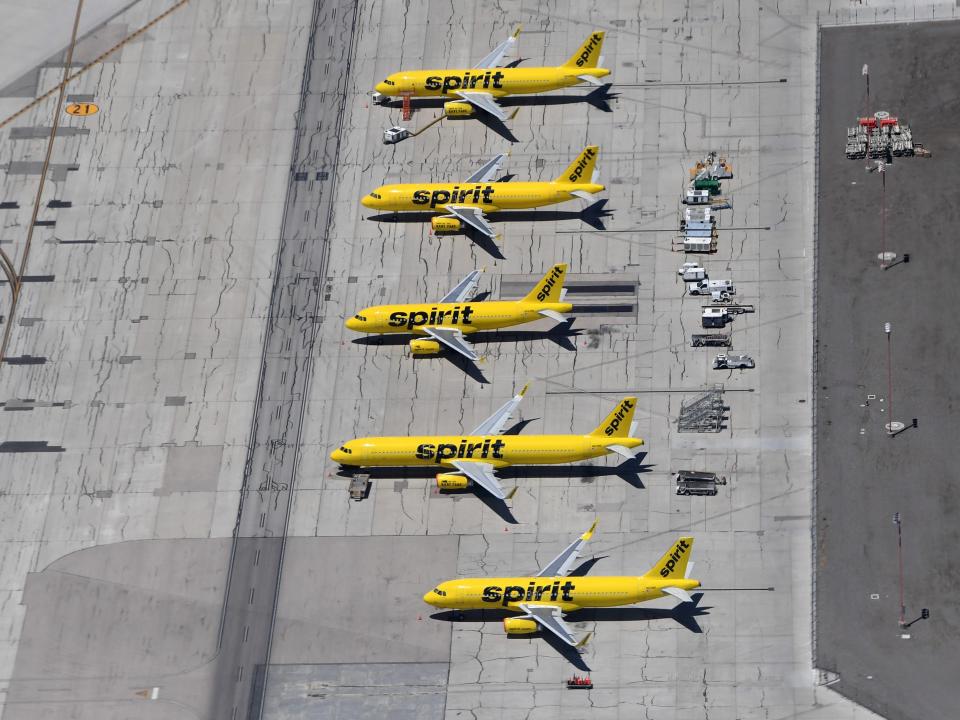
x: 725, y: 361
x: 707, y: 287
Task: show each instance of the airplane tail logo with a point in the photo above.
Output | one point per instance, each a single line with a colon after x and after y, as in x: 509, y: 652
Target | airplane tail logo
x: 673, y: 564
x: 589, y: 53
x: 618, y: 422
x: 581, y: 169
x: 550, y: 286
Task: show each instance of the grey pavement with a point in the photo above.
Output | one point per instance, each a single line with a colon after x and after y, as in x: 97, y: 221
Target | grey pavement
x: 150, y: 357
x: 864, y: 475
x: 245, y: 636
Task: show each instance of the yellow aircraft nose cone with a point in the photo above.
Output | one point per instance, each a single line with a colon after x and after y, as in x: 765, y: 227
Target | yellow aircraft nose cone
x: 353, y: 324
x: 368, y: 201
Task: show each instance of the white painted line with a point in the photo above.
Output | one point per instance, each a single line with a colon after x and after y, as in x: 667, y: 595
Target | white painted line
x: 155, y: 693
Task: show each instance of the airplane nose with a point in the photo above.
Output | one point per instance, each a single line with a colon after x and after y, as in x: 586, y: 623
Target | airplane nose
x: 382, y: 88
x: 427, y: 598
x: 367, y: 201
x: 352, y: 324
x: 337, y: 456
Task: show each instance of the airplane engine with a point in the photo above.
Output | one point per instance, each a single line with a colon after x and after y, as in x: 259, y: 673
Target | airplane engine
x: 456, y: 108
x: 452, y: 481
x: 519, y: 626
x: 424, y: 347
x: 442, y: 225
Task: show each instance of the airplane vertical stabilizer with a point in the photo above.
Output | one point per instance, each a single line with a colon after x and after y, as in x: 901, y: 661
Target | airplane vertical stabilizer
x: 550, y: 287
x: 617, y: 424
x: 581, y: 169
x: 589, y: 53
x: 673, y: 564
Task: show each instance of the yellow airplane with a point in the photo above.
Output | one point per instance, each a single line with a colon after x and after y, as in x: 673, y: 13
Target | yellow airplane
x: 480, y: 86
x: 545, y: 597
x: 450, y: 319
x: 477, y: 456
x: 464, y: 203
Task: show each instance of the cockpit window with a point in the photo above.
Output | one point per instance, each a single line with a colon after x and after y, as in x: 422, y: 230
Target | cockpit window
x: 438, y: 591
x: 389, y: 82
x: 359, y: 317
x: 344, y: 448
x: 374, y: 195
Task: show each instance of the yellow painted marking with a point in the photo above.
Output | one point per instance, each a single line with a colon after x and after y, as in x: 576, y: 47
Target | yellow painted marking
x: 82, y: 109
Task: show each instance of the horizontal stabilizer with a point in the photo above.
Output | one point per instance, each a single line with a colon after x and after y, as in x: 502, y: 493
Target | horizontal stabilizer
x: 590, y: 79
x: 553, y: 315
x: 584, y: 640
x: 678, y: 593
x: 583, y: 195
x: 628, y: 453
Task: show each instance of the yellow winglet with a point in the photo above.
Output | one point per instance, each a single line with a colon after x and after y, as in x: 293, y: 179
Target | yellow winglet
x: 522, y: 392
x: 512, y: 493
x: 589, y: 533
x: 584, y: 640
x: 516, y: 32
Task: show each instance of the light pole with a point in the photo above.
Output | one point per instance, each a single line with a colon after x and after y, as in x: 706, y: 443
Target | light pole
x: 903, y: 609
x: 866, y: 73
x: 892, y: 426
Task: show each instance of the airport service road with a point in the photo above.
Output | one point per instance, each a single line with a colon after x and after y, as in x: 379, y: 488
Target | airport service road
x: 289, y: 347
x: 864, y: 477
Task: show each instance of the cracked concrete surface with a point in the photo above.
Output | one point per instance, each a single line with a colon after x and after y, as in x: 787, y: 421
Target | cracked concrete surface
x: 167, y: 254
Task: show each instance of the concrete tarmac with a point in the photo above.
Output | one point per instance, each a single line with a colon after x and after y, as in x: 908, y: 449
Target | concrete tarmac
x: 186, y: 285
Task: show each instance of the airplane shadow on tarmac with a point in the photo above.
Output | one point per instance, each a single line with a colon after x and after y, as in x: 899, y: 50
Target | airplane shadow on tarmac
x: 629, y: 471
x: 560, y: 334
x: 593, y: 215
x: 684, y: 614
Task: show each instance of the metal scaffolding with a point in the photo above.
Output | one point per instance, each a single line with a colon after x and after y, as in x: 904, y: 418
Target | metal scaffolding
x: 705, y: 413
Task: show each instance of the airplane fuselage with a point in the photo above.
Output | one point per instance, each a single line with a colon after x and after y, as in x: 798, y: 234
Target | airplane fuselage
x: 567, y: 593
x: 497, y: 450
x: 468, y: 317
x: 489, y: 197
x: 495, y: 81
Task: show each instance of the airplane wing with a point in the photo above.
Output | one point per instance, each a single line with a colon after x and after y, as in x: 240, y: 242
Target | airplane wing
x: 482, y: 474
x: 463, y: 289
x: 494, y: 424
x: 491, y: 168
x: 485, y: 102
x: 549, y: 618
x: 563, y: 562
x: 499, y: 51
x: 473, y: 217
x: 453, y: 339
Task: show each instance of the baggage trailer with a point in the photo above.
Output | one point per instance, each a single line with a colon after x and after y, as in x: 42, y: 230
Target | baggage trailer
x: 710, y: 340
x: 692, y: 482
x: 359, y: 486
